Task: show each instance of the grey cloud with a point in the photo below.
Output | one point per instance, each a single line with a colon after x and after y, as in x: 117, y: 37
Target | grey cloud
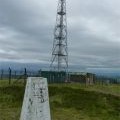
x: 26, y: 32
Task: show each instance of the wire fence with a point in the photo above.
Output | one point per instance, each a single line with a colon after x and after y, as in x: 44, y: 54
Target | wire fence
x: 56, y: 77
x: 21, y: 75
x: 107, y: 80
x: 16, y: 75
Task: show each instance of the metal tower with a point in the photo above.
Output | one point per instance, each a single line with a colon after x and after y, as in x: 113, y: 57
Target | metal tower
x: 59, y: 60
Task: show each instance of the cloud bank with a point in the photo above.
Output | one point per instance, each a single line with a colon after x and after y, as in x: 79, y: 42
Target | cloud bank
x: 26, y: 32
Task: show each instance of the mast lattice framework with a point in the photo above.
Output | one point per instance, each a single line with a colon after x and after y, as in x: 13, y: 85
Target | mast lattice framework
x: 59, y: 60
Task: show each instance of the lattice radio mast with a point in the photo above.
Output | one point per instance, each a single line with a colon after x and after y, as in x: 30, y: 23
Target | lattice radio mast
x: 59, y: 60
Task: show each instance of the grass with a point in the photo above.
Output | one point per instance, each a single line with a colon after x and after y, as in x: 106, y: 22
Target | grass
x: 113, y: 89
x: 11, y: 97
x: 67, y: 101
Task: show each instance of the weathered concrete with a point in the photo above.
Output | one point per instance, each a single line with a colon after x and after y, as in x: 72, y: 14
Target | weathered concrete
x: 36, y: 100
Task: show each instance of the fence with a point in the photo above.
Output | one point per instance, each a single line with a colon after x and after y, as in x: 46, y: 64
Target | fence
x: 54, y: 77
x: 13, y: 75
x: 107, y: 80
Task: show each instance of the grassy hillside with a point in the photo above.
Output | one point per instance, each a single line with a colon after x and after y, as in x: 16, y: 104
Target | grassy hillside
x: 67, y: 101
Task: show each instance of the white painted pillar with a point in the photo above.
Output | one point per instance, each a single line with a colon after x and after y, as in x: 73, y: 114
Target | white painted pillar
x: 36, y: 100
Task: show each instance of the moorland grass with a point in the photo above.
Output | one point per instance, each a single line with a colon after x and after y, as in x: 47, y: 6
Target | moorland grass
x: 67, y: 102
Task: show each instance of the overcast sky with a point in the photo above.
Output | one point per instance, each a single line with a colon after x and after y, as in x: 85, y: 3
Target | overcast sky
x: 26, y: 32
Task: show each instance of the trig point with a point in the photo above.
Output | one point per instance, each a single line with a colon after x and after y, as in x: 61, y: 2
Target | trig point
x: 36, y: 100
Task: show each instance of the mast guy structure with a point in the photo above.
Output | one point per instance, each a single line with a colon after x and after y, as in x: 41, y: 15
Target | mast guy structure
x: 59, y: 60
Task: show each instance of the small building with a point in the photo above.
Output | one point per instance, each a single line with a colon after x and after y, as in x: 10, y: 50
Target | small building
x: 82, y: 77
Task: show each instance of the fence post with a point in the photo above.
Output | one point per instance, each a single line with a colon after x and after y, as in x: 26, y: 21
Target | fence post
x: 15, y: 75
x: 40, y: 72
x: 10, y: 75
x: 2, y: 72
x: 25, y: 75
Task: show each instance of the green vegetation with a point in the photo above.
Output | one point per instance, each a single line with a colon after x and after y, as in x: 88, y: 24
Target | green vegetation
x: 67, y: 101
x: 11, y: 97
